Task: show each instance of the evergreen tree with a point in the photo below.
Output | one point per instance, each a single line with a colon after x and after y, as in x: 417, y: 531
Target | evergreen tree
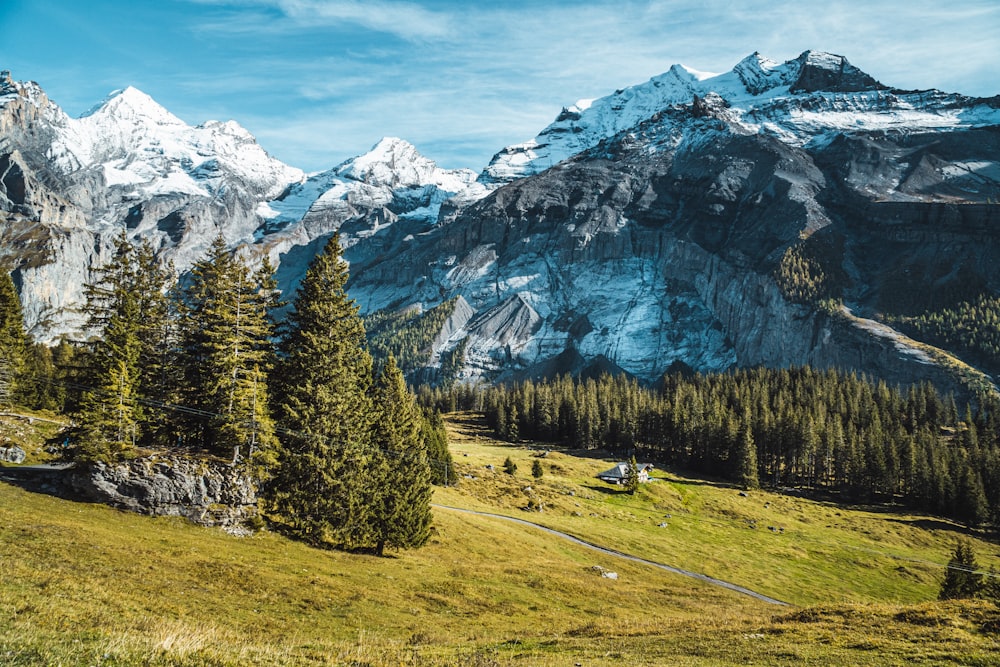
x: 509, y: 466
x: 13, y: 341
x: 746, y: 468
x: 109, y: 414
x: 226, y: 337
x: 322, y: 399
x: 536, y: 469
x: 398, y: 474
x: 436, y: 440
x: 962, y: 579
x: 159, y: 371
x: 631, y: 481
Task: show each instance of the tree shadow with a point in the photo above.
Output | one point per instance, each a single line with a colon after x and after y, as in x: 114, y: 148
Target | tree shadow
x: 45, y: 481
x: 606, y: 490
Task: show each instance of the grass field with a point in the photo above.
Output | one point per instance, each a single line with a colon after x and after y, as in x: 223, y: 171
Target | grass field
x: 83, y: 584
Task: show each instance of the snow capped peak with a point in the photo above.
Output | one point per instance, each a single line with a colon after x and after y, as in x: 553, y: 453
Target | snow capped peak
x: 759, y: 74
x: 681, y: 71
x: 395, y: 163
x: 820, y: 71
x: 133, y: 105
x: 392, y: 161
x: 754, y: 84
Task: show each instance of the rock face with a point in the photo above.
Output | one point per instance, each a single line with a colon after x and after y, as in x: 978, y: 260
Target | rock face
x: 210, y: 494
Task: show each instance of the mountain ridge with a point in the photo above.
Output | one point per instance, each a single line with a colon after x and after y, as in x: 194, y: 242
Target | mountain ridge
x: 625, y: 233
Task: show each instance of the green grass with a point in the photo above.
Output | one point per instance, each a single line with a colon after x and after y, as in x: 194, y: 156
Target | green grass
x: 820, y: 553
x: 32, y: 430
x: 83, y: 584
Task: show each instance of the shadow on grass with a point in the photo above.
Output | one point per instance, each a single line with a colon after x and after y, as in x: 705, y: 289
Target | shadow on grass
x: 607, y: 490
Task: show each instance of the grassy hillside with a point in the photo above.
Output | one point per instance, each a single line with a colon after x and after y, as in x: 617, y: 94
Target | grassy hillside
x: 84, y: 584
x: 818, y: 552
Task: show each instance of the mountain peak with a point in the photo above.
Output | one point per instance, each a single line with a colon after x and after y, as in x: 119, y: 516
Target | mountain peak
x: 759, y: 73
x: 821, y: 71
x: 392, y: 162
x: 132, y: 103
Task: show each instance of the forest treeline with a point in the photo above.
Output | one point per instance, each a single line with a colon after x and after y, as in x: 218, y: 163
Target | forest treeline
x: 823, y: 431
x: 341, y: 452
x: 970, y: 328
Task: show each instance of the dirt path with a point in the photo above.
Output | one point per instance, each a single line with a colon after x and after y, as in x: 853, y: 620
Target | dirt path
x: 611, y: 552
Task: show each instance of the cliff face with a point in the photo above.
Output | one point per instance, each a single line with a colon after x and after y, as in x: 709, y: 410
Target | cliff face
x: 663, y: 245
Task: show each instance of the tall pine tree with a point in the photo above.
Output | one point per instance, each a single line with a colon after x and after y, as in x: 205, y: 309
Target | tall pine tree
x: 109, y: 414
x: 400, y: 508
x: 323, y: 402
x: 226, y: 333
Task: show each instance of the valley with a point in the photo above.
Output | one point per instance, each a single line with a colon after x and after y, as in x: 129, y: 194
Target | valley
x: 84, y: 584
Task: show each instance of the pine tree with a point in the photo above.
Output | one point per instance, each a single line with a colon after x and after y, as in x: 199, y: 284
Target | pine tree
x: 226, y: 334
x: 399, y: 475
x: 436, y: 440
x: 536, y: 469
x: 322, y: 399
x: 509, y: 466
x: 631, y: 480
x: 962, y: 578
x: 159, y: 371
x: 746, y: 468
x: 109, y: 414
x: 13, y: 341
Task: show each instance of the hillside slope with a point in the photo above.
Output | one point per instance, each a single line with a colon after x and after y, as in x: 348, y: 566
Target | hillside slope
x: 83, y: 584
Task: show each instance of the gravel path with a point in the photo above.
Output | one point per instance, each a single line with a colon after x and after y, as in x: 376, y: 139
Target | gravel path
x: 611, y: 552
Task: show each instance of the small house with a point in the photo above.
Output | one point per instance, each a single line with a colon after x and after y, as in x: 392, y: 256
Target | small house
x: 617, y: 474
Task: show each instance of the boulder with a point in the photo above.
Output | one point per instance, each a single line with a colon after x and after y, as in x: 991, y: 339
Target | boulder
x: 208, y: 493
x: 12, y: 454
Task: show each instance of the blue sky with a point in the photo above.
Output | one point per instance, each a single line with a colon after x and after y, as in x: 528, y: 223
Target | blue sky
x: 318, y: 81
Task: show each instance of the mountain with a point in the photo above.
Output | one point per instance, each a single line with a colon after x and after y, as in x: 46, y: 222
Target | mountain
x: 779, y: 213
x: 69, y: 186
x: 769, y: 215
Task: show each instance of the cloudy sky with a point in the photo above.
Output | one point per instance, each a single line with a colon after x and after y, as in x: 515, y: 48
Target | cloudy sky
x: 318, y: 81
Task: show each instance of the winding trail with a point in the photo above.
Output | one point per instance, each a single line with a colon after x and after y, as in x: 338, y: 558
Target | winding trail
x: 611, y: 552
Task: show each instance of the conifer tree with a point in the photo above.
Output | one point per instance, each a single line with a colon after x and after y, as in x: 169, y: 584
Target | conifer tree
x: 109, y: 414
x: 631, y: 480
x: 747, y: 458
x: 962, y: 578
x: 509, y: 466
x: 13, y: 341
x: 399, y: 474
x: 159, y: 371
x: 322, y: 401
x: 536, y: 469
x: 436, y: 440
x: 226, y: 334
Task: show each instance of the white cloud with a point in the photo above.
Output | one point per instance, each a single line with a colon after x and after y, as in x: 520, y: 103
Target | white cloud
x: 494, y: 74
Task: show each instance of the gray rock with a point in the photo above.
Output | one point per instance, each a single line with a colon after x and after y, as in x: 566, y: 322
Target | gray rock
x: 208, y: 493
x: 12, y: 454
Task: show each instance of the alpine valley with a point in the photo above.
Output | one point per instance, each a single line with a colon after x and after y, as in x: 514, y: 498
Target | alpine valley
x: 777, y: 214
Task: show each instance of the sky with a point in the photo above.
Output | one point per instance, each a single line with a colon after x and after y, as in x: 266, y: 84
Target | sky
x: 319, y: 81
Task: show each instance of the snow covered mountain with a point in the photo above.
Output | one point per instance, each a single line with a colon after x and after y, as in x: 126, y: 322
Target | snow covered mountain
x: 695, y: 220
x: 670, y: 224
x: 815, y: 96
x: 69, y: 186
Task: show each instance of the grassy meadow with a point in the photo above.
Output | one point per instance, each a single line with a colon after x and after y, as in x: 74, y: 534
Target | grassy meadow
x: 84, y: 584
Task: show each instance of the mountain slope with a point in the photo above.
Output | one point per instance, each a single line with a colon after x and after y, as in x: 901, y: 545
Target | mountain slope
x: 682, y: 236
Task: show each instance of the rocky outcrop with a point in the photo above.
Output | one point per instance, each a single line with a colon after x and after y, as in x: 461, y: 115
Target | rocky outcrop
x: 12, y: 454
x: 211, y: 494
